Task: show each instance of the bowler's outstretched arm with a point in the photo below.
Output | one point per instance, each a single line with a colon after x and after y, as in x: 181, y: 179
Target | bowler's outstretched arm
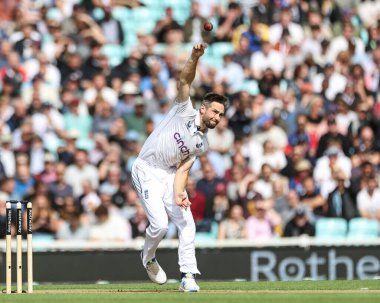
x: 188, y: 73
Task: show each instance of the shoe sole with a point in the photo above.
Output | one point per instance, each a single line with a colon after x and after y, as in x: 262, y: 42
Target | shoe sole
x: 183, y: 290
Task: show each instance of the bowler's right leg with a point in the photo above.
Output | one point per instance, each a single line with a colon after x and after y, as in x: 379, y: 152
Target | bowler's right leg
x: 150, y: 190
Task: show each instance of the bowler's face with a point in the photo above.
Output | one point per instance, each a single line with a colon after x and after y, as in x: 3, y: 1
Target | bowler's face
x: 212, y: 114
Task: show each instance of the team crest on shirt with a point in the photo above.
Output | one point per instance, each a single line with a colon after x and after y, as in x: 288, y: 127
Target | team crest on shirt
x: 190, y: 123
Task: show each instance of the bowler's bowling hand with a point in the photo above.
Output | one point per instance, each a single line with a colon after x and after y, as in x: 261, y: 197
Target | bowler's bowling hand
x: 199, y: 49
x: 182, y: 200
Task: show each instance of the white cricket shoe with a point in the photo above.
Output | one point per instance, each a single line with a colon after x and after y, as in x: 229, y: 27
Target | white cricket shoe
x: 155, y: 271
x: 188, y: 283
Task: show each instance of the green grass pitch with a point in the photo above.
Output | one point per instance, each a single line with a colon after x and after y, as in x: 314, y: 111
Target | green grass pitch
x: 218, y: 292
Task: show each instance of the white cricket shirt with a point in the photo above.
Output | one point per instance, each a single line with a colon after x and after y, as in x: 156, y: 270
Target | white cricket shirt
x: 176, y: 138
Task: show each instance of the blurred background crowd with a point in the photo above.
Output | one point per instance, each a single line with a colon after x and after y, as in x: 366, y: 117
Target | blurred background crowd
x: 84, y: 82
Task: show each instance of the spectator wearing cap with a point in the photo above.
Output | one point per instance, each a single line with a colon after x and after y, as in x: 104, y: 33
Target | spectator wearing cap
x: 266, y: 58
x: 368, y: 199
x: 137, y: 120
x: 299, y: 225
x: 340, y: 203
x: 79, y: 171
x: 302, y: 170
x: 325, y: 168
x: 48, y: 174
x: 128, y: 94
x: 67, y: 150
x: 234, y: 226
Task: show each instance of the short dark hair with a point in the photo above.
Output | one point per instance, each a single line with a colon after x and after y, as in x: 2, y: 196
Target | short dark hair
x: 213, y: 97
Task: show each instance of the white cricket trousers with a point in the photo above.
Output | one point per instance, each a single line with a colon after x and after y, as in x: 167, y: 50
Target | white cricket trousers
x: 155, y: 187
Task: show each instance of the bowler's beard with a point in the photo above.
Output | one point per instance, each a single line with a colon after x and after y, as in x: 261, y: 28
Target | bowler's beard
x: 209, y: 124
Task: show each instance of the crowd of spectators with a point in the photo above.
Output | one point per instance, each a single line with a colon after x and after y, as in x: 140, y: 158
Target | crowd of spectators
x: 300, y: 140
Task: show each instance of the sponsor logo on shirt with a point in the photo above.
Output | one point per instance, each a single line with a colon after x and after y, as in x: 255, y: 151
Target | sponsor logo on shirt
x: 181, y: 145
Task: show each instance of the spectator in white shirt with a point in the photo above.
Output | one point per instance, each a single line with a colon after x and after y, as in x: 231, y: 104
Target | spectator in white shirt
x: 368, y: 200
x: 295, y: 30
x: 266, y: 58
x: 334, y: 160
x: 329, y: 82
x: 79, y: 171
x: 345, y: 42
x: 232, y: 74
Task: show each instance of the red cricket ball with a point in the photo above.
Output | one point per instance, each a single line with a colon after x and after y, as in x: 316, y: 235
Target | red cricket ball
x: 208, y: 26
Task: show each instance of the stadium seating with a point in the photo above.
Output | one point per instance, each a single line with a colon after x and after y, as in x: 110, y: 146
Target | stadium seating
x: 251, y: 86
x: 331, y: 228
x: 115, y: 53
x: 207, y: 236
x: 219, y: 49
x: 362, y: 228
